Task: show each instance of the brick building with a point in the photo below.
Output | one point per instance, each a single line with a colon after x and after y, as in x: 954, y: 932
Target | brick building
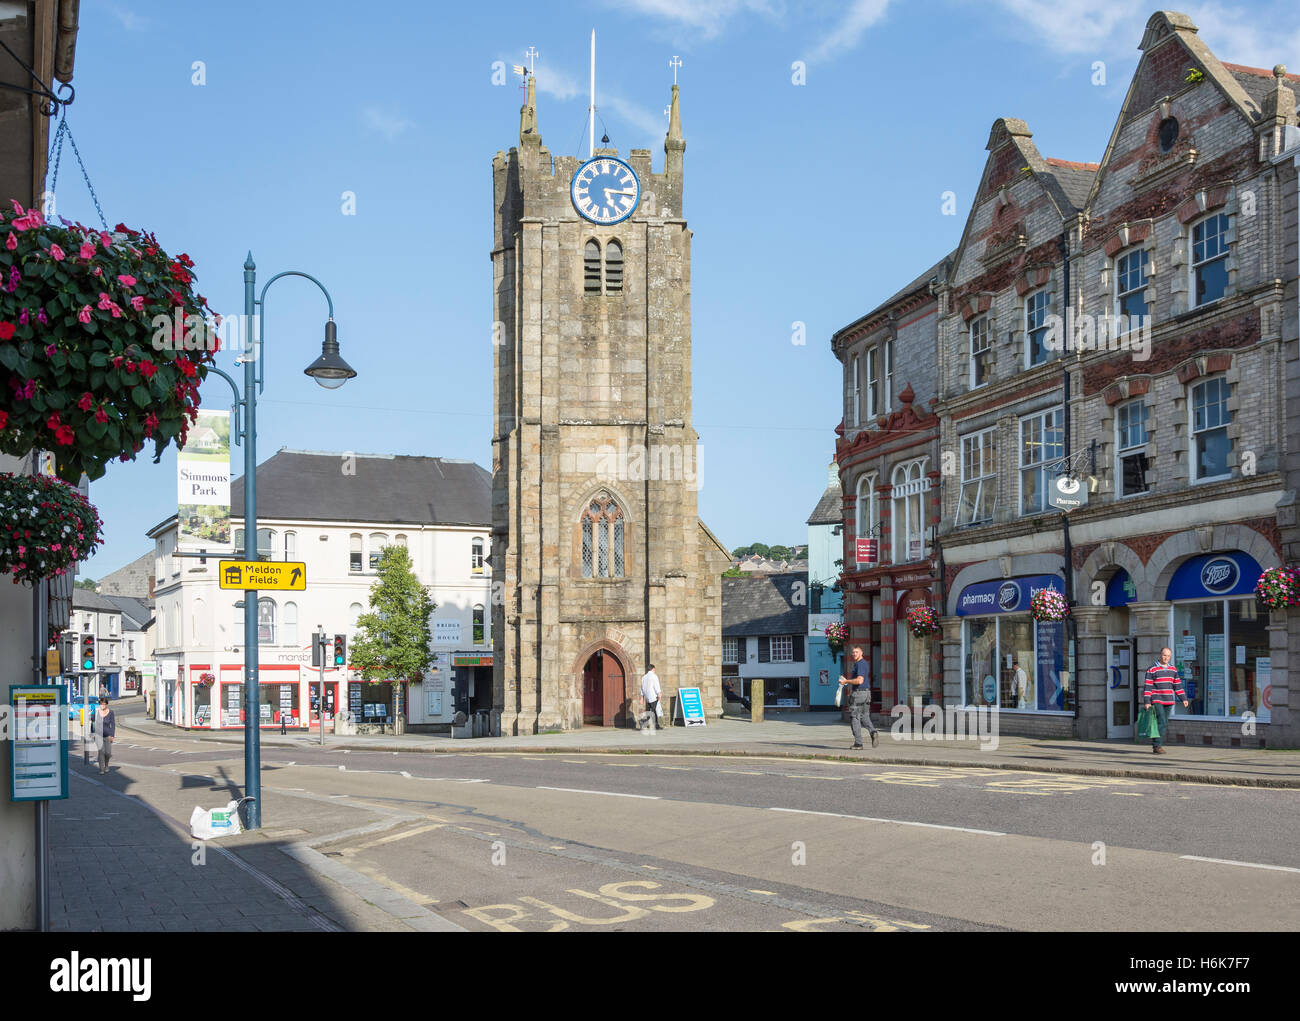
x: 606, y: 565
x: 1149, y: 294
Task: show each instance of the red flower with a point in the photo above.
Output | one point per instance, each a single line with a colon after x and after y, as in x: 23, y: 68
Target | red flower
x: 53, y: 421
x: 117, y: 361
x: 4, y: 419
x: 65, y: 435
x: 186, y: 366
x: 150, y: 424
x: 86, y: 401
x: 7, y: 330
x: 100, y: 415
x: 147, y: 369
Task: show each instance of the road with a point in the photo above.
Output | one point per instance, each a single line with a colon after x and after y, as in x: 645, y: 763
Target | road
x: 520, y: 842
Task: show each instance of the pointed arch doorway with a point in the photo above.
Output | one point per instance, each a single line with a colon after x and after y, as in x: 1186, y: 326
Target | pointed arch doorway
x: 603, y: 692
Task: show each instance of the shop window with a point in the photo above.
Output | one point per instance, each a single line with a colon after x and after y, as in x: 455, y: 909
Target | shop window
x: 981, y: 354
x: 908, y: 520
x: 1221, y: 652
x: 778, y: 692
x: 1130, y: 448
x: 866, y: 515
x: 354, y: 553
x: 1036, y: 309
x: 1131, y: 283
x: 1042, y: 446
x: 1210, y: 419
x: 997, y: 649
x: 978, y: 498
x: 1210, y: 259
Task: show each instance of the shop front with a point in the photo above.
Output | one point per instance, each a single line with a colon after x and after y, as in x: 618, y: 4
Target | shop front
x: 916, y: 673
x: 472, y: 681
x: 1009, y: 661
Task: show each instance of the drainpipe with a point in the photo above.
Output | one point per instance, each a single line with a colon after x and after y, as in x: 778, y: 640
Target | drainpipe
x: 1068, y: 551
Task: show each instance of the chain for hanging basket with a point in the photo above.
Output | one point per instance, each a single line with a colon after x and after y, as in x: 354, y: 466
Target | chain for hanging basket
x: 56, y: 149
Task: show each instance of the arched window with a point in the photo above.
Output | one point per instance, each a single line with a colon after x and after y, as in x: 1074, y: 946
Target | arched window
x: 613, y: 268
x: 290, y: 545
x: 476, y: 556
x: 198, y: 613
x: 908, y: 516
x: 354, y: 612
x: 602, y: 538
x: 265, y: 621
x: 865, y: 515
x: 239, y: 539
x: 354, y: 552
x: 591, y: 268
x: 855, y: 391
x: 400, y: 540
x: 289, y: 635
x: 265, y: 543
x: 480, y: 630
x: 377, y: 543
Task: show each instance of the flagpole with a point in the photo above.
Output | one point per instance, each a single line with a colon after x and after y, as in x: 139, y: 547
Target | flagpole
x: 591, y: 111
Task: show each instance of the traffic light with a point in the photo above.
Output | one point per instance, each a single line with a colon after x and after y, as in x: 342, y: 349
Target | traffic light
x: 88, y: 652
x: 340, y: 651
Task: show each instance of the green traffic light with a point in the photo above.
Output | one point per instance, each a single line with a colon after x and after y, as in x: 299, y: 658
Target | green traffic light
x: 87, y: 664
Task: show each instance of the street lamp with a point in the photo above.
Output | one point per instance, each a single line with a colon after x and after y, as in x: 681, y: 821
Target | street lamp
x: 331, y: 372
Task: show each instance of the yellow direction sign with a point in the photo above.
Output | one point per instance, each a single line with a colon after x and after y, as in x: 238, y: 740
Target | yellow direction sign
x: 282, y: 575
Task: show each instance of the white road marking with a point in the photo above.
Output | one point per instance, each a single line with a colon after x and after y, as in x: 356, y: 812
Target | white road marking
x: 896, y: 822
x: 453, y: 779
x: 1243, y: 864
x: 612, y: 794
x: 406, y: 774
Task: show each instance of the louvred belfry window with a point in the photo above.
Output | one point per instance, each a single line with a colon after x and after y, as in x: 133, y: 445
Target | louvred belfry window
x: 602, y: 539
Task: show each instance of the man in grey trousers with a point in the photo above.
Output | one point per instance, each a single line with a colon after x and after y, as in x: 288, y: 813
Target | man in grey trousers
x: 859, y: 678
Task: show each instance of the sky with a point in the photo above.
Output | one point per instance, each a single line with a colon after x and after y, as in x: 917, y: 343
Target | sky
x: 821, y: 138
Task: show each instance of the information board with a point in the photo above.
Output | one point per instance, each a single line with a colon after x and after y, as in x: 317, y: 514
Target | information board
x: 690, y: 706
x: 38, y: 747
x: 354, y: 699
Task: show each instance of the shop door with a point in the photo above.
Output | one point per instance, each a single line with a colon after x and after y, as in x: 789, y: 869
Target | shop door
x: 1120, y: 699
x: 593, y: 703
x: 613, y: 715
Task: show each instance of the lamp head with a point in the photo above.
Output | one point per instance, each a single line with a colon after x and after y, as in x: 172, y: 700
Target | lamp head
x: 329, y: 370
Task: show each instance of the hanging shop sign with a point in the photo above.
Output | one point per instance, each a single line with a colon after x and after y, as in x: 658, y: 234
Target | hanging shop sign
x: 1067, y: 493
x: 203, y: 484
x: 867, y: 550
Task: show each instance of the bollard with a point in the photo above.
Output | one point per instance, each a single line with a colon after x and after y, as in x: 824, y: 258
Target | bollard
x: 756, y: 700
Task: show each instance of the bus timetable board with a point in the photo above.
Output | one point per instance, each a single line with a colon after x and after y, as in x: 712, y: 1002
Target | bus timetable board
x: 38, y: 749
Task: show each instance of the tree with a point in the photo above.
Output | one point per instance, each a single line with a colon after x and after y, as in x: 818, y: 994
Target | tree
x: 392, y: 638
x: 734, y: 572
x: 86, y: 583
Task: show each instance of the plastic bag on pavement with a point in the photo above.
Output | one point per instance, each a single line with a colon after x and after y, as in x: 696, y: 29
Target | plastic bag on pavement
x: 217, y: 822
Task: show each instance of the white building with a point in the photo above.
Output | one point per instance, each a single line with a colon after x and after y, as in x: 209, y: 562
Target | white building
x: 764, y: 637
x: 95, y: 627
x: 334, y: 512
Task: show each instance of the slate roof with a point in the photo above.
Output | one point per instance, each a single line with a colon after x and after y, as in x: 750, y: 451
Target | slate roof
x: 402, y: 489
x: 131, y: 580
x: 829, y: 509
x: 922, y: 282
x: 85, y: 599
x: 764, y: 604
x: 1071, y: 182
x: 1258, y: 82
x: 136, y: 613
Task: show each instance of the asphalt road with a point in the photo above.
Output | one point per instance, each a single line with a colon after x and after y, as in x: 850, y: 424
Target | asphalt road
x: 600, y: 842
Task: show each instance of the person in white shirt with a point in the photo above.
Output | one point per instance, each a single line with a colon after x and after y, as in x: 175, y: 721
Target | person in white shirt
x: 1020, y: 685
x: 650, y: 692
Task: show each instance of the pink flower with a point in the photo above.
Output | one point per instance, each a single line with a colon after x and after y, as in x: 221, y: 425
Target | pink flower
x: 105, y: 240
x: 84, y: 314
x: 87, y: 250
x: 24, y: 317
x: 41, y: 317
x: 49, y: 350
x: 137, y: 303
x: 86, y: 402
x: 56, y: 253
x: 11, y: 242
x: 126, y: 280
x: 105, y: 302
x: 116, y: 310
x: 56, y: 547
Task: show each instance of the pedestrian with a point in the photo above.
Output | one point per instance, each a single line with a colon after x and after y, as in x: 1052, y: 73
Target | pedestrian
x: 650, y: 693
x: 859, y: 678
x: 1162, y: 684
x: 107, y: 733
x: 1019, y: 684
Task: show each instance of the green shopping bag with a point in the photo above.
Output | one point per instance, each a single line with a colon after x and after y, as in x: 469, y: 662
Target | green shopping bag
x: 1148, y: 725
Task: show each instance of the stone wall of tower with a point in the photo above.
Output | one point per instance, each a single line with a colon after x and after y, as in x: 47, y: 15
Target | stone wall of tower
x: 592, y: 396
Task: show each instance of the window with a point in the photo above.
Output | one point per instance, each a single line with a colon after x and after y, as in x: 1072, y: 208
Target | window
x: 1036, y: 306
x: 613, y: 268
x: 265, y: 621
x: 199, y: 613
x: 908, y: 518
x: 239, y: 539
x: 238, y: 624
x: 476, y: 556
x: 1042, y: 446
x: 873, y: 408
x: 130, y: 650
x: 1210, y: 418
x: 980, y: 353
x: 354, y: 614
x: 730, y: 650
x: 888, y: 399
x: 1131, y: 283
x: 991, y: 644
x: 1210, y: 259
x: 290, y: 545
x: 112, y: 653
x: 112, y: 625
x: 377, y: 543
x: 602, y: 539
x: 400, y: 540
x: 856, y: 391
x: 979, y: 497
x: 1218, y: 646
x: 265, y: 543
x: 782, y: 649
x: 1130, y: 448
x: 865, y: 513
x: 289, y: 634
x: 1168, y: 133
x: 591, y: 268
x: 174, y: 619
x: 479, y: 626
x: 354, y: 554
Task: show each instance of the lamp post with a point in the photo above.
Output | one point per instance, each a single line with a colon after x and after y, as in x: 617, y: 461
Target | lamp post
x: 331, y: 372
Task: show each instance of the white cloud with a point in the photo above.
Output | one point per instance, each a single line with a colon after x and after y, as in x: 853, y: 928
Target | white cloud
x: 131, y: 21
x: 708, y: 17
x: 558, y: 84
x: 1241, y: 37
x: 388, y: 124
x: 860, y: 16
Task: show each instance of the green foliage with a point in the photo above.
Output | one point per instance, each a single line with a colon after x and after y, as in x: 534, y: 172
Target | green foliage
x: 392, y: 638
x: 733, y: 572
x: 86, y: 583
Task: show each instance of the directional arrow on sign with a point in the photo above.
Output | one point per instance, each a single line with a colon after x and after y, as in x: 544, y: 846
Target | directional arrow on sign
x: 293, y: 577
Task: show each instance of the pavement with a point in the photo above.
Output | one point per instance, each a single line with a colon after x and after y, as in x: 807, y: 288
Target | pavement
x: 823, y: 736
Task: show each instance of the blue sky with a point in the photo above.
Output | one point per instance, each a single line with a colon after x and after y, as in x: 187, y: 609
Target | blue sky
x: 809, y: 203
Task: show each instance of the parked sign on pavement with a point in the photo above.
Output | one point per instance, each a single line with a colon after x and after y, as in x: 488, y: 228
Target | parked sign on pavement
x: 690, y: 706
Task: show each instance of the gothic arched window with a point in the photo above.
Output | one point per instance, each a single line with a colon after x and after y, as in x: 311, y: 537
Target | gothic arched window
x: 591, y: 268
x: 613, y: 268
x: 602, y: 538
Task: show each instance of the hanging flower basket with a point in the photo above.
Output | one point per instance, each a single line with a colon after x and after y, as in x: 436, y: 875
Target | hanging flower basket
x: 836, y: 635
x: 103, y: 343
x: 46, y: 527
x: 1048, y: 604
x: 923, y: 621
x: 1279, y: 587
x: 207, y: 679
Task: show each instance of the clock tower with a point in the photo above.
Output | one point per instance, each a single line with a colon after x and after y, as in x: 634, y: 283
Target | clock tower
x: 600, y: 563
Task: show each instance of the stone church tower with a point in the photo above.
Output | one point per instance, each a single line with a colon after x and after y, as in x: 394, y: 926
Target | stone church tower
x: 602, y: 563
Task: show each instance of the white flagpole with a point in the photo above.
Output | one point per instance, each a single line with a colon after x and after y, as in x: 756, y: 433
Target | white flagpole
x: 591, y: 112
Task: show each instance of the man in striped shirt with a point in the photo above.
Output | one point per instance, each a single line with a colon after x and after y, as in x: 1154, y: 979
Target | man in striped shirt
x: 1162, y: 684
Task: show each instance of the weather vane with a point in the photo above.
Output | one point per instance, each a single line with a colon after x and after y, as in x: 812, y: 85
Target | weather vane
x: 675, y: 63
x: 531, y: 54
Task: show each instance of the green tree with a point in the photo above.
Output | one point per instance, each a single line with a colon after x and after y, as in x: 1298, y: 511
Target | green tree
x: 779, y: 553
x: 733, y: 572
x: 86, y: 583
x: 392, y: 638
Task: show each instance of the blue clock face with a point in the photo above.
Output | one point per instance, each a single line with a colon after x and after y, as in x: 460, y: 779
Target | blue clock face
x: 605, y: 190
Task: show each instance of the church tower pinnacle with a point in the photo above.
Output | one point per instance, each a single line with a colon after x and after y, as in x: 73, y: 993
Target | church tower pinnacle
x: 674, y: 144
